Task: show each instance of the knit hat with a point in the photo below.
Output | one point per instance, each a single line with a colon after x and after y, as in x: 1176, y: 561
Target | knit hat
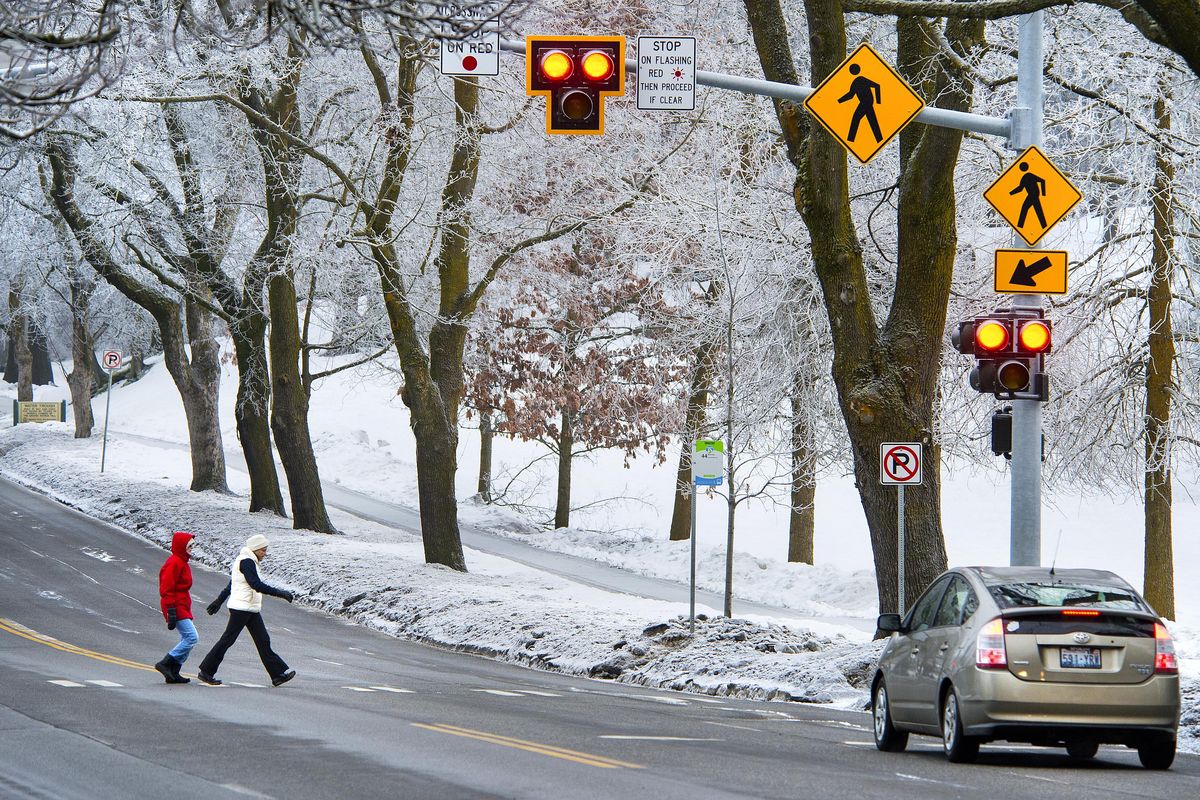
x: 256, y: 542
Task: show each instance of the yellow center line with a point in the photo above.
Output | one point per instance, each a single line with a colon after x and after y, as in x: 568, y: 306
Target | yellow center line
x: 17, y: 629
x: 590, y: 759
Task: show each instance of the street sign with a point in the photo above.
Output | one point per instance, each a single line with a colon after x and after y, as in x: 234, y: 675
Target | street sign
x: 28, y: 411
x: 900, y: 463
x: 1031, y: 271
x: 666, y: 73
x: 864, y: 103
x: 708, y: 462
x: 111, y: 359
x: 478, y: 52
x: 1032, y: 195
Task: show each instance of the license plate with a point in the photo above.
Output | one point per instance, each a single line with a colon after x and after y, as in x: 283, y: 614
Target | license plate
x: 1080, y: 658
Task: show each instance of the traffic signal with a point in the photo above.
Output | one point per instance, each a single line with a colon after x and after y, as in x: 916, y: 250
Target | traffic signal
x: 575, y: 73
x: 1008, y: 346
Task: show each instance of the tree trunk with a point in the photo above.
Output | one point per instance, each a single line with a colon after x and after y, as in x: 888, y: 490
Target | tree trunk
x: 886, y: 376
x: 83, y: 353
x: 252, y: 413
x: 802, y: 517
x: 701, y: 384
x: 1159, y: 586
x: 437, y: 464
x: 10, y: 357
x: 566, y: 445
x: 22, y: 356
x: 201, y: 390
x: 43, y: 373
x: 486, y: 435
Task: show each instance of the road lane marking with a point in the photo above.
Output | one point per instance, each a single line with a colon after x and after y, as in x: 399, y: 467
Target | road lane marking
x: 71, y: 684
x: 327, y: 661
x: 105, y: 684
x: 589, y: 759
x: 359, y: 689
x: 919, y: 779
x: 537, y: 693
x: 245, y: 685
x: 499, y: 692
x: 17, y: 629
x: 727, y: 725
x: 392, y: 689
x: 657, y: 738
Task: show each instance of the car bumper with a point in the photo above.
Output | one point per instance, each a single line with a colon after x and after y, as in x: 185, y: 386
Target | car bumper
x: 1003, y: 706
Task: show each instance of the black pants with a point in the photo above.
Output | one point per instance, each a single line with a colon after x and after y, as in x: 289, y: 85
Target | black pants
x: 258, y: 632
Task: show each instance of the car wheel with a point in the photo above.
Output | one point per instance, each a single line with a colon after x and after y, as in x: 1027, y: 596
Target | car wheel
x: 1157, y: 754
x: 1082, y: 749
x: 887, y: 738
x: 959, y: 748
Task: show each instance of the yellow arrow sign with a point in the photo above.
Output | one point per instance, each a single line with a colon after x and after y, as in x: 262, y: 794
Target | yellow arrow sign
x: 1032, y: 195
x: 1031, y: 271
x: 864, y: 103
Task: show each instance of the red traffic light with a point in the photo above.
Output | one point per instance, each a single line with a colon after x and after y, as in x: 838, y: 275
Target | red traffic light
x: 575, y: 74
x: 991, y: 336
x: 1034, y: 336
x: 597, y: 65
x: 556, y: 65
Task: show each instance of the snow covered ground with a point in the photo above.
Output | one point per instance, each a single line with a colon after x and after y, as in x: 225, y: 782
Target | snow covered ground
x: 376, y: 575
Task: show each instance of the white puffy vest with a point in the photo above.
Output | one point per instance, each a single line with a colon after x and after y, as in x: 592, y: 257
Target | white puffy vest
x: 242, y: 595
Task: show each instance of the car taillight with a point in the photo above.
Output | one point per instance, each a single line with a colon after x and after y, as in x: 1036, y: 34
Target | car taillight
x: 1080, y: 612
x: 989, y: 646
x: 1165, y: 662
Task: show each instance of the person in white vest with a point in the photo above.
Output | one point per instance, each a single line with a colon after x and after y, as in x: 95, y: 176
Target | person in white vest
x: 245, y: 594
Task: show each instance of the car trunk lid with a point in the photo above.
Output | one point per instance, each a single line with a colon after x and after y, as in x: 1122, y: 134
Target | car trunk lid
x: 1079, y: 645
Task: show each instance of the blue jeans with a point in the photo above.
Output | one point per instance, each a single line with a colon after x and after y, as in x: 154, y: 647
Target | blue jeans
x: 187, y: 640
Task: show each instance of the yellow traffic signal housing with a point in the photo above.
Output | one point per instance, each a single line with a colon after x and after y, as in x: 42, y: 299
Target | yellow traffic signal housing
x: 575, y: 74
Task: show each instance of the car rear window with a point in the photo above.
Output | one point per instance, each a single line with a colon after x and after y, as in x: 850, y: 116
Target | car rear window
x: 1052, y: 594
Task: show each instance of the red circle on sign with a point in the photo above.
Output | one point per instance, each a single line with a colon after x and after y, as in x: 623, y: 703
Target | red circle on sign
x: 898, y: 471
x: 470, y: 62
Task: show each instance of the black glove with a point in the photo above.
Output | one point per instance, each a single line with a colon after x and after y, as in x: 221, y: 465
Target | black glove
x: 172, y: 618
x: 213, y: 607
x: 286, y: 595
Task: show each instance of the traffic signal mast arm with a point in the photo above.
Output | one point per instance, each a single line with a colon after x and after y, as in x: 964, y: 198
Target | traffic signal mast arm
x: 941, y: 117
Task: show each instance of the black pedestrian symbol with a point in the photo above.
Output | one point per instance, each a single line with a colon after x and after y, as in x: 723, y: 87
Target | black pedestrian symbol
x: 1034, y: 187
x: 866, y: 91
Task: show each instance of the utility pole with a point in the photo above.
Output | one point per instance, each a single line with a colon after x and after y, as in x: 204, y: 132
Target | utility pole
x: 1025, y: 514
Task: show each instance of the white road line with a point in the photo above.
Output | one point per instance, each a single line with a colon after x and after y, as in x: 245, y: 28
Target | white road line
x: 708, y: 700
x: 106, y: 684
x: 392, y: 689
x: 499, y: 692
x: 326, y: 661
x: 657, y: 738
x: 670, y: 701
x: 358, y: 688
x: 71, y: 684
x: 919, y: 779
x: 538, y: 693
x: 727, y: 725
x: 247, y: 685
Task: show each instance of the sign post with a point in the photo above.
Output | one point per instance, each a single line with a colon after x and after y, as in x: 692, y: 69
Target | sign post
x: 110, y: 361
x: 708, y: 469
x: 900, y: 466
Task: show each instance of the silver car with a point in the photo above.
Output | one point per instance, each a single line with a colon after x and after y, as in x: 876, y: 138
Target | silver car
x: 1071, y: 658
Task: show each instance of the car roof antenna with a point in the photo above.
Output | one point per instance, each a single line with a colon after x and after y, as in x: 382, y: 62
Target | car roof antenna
x: 1056, y: 544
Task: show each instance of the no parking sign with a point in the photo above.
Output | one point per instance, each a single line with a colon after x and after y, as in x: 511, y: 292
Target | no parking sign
x: 900, y: 463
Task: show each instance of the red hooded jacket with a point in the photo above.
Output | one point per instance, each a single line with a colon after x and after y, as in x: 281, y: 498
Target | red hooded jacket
x: 175, y: 578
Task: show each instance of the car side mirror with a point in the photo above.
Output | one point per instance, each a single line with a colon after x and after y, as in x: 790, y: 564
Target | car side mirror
x: 889, y: 623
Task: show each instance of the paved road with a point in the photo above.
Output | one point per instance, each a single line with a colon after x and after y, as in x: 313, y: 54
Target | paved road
x: 83, y: 716
x: 581, y: 570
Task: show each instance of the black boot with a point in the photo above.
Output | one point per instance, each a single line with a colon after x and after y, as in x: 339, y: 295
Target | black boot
x: 175, y: 667
x: 169, y: 669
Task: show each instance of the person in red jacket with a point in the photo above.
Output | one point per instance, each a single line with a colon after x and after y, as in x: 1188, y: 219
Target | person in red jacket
x: 174, y: 585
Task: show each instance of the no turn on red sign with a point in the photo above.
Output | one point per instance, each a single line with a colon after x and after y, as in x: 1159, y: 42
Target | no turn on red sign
x: 900, y: 463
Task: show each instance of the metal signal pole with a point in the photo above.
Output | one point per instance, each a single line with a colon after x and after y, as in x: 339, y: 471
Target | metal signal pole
x: 1025, y: 520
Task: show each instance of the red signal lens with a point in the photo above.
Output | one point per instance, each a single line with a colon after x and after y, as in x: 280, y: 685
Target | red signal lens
x: 556, y: 65
x: 991, y: 336
x: 1080, y: 612
x: 1035, y: 337
x: 597, y: 65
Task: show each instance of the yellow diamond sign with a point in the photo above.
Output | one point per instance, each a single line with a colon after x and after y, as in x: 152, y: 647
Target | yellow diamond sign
x: 864, y: 103
x: 1032, y: 195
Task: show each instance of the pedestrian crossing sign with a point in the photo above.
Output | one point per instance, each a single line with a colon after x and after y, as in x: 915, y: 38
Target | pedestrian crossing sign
x: 864, y: 103
x: 1032, y: 195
